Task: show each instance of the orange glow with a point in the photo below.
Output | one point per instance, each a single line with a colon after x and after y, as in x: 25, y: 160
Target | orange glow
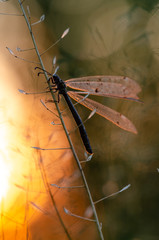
x: 4, y: 178
x: 26, y: 174
x: 26, y: 207
x: 4, y: 166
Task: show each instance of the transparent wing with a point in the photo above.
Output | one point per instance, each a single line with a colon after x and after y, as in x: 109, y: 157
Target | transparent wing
x: 106, y: 112
x: 107, y: 86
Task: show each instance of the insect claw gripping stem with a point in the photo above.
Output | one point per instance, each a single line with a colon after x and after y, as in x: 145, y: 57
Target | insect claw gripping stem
x: 50, y: 79
x: 40, y: 73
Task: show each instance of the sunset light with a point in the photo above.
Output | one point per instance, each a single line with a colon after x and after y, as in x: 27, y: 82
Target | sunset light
x: 4, y: 167
x: 4, y: 176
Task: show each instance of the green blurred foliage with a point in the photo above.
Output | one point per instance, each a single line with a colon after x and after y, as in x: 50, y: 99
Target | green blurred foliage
x: 145, y: 4
x: 117, y: 38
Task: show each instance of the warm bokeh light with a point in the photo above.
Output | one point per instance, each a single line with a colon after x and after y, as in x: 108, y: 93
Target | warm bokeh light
x: 4, y: 166
x: 4, y: 178
x: 26, y: 174
x: 28, y: 202
x: 106, y: 38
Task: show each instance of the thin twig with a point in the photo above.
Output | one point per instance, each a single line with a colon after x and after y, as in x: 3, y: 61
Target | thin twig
x: 68, y: 137
x: 12, y: 14
x: 53, y: 202
x: 24, y: 50
x: 77, y: 216
x: 48, y: 149
x: 113, y: 194
x: 62, y: 36
x: 23, y: 59
x: 67, y: 187
x: 48, y: 109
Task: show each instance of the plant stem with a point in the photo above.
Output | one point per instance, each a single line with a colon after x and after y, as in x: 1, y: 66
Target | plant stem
x: 64, y: 127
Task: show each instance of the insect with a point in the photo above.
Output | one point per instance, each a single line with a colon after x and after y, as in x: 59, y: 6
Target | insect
x: 107, y: 86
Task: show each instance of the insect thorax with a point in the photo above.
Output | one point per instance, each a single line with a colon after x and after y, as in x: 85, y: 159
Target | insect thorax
x: 61, y: 86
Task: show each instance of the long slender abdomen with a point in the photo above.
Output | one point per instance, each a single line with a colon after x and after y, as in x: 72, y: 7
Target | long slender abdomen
x: 79, y: 123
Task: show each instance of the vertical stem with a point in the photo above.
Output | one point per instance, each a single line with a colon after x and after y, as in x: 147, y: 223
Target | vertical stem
x: 51, y: 196
x: 64, y: 127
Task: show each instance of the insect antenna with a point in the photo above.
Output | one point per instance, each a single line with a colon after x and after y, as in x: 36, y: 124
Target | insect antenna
x: 56, y: 69
x: 43, y: 70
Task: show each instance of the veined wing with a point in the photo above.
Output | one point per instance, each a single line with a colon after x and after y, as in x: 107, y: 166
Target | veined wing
x: 107, y: 86
x: 106, y: 112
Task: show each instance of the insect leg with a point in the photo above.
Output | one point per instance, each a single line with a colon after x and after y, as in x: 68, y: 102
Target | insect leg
x: 43, y: 70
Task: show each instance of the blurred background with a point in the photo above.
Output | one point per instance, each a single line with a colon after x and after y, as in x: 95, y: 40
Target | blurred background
x: 119, y: 37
